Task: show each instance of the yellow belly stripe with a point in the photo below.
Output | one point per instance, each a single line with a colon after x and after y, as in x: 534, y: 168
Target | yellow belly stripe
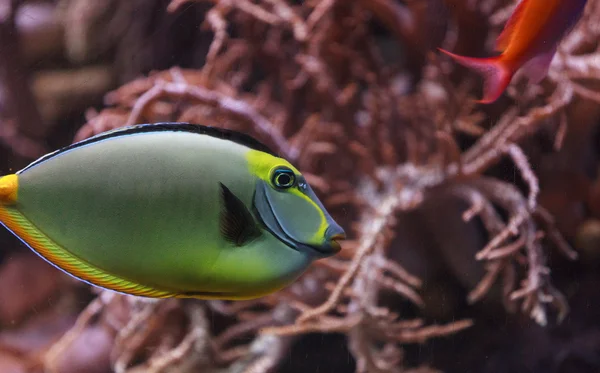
x: 52, y: 252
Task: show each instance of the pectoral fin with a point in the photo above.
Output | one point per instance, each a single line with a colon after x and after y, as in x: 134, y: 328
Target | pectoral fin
x: 237, y: 224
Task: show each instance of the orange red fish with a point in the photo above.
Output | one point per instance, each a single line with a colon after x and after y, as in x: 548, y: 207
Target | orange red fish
x: 528, y: 42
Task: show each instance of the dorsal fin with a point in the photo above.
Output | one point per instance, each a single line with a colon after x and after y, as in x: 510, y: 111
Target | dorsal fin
x: 220, y: 133
x: 506, y: 36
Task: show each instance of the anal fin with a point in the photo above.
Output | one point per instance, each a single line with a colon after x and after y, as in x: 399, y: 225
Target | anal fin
x: 70, y: 264
x: 537, y: 68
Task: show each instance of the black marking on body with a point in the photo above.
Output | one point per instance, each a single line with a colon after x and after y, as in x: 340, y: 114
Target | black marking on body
x: 237, y: 224
x: 198, y: 129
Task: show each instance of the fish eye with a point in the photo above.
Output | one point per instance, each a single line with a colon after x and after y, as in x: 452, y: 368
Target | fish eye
x: 283, y: 178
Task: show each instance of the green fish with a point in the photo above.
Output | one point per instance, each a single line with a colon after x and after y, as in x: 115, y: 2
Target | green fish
x: 170, y: 210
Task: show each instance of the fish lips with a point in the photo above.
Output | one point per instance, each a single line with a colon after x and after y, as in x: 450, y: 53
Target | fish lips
x: 269, y: 215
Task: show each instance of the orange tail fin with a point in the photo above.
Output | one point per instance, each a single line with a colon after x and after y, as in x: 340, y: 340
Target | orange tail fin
x: 495, y: 74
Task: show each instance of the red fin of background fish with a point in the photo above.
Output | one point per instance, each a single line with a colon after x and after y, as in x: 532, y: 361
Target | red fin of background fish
x: 506, y: 35
x: 537, y: 68
x: 495, y: 74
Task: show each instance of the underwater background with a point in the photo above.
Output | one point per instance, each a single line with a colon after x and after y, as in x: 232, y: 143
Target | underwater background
x: 473, y: 230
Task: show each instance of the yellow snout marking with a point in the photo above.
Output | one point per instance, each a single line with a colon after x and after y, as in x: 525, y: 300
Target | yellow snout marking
x: 9, y: 186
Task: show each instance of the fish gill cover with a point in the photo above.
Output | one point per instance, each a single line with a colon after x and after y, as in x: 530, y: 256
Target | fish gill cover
x: 461, y: 217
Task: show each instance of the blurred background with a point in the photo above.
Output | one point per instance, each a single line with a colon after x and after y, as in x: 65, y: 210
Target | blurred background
x: 474, y: 229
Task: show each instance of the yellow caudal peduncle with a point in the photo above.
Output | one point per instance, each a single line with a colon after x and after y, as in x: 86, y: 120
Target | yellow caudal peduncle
x: 9, y: 186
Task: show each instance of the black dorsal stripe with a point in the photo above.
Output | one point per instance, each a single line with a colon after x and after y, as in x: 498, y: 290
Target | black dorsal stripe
x: 198, y: 129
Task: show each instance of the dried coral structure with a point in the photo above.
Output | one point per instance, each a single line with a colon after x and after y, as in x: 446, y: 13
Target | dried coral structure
x: 379, y: 132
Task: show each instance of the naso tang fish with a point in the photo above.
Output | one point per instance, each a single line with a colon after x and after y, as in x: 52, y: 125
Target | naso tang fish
x: 529, y: 41
x: 170, y: 210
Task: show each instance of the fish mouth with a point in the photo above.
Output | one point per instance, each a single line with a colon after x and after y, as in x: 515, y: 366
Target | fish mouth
x: 334, y: 235
x: 331, y: 246
x: 334, y: 246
